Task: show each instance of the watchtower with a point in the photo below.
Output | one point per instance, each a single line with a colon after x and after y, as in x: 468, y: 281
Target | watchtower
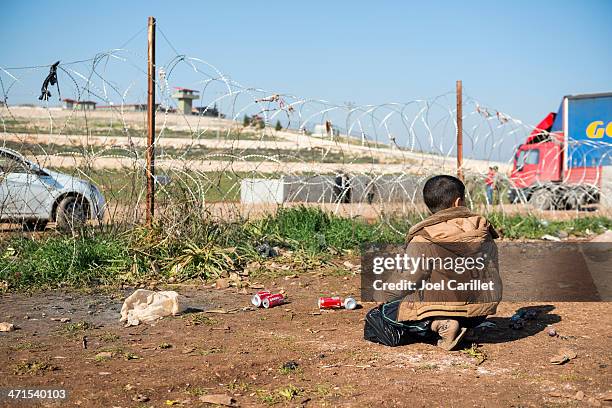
x: 185, y: 99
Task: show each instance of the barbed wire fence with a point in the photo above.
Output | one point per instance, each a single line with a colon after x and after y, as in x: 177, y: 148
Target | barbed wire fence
x: 229, y: 151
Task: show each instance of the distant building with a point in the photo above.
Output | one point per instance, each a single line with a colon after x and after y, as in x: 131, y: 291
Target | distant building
x: 185, y: 99
x: 78, y: 105
x: 212, y: 112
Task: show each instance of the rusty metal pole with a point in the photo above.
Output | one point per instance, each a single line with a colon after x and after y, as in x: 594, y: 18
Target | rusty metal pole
x: 150, y: 171
x: 459, y: 131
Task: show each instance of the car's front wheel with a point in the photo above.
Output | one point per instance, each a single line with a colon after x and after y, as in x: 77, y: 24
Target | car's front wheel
x: 71, y: 213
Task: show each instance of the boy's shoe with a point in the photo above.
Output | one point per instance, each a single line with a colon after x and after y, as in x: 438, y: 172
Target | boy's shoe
x: 449, y: 331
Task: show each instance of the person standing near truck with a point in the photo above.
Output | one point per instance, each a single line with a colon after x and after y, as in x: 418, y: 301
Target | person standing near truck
x: 491, y: 184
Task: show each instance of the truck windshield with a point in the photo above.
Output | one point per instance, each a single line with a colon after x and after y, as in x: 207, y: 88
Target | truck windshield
x: 527, y: 157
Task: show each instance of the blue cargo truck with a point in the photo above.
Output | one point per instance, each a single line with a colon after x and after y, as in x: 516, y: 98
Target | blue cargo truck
x: 566, y: 162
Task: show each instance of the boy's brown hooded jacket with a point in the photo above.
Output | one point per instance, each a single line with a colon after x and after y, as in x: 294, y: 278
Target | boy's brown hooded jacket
x: 453, y: 233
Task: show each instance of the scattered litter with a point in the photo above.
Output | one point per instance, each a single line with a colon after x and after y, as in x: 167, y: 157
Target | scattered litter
x: 273, y: 300
x: 218, y: 399
x: 336, y: 302
x: 84, y: 342
x: 147, y: 306
x: 104, y: 373
x: 552, y: 332
x: 257, y: 299
x: 61, y: 319
x: 7, y: 327
x: 548, y: 237
x: 563, y: 356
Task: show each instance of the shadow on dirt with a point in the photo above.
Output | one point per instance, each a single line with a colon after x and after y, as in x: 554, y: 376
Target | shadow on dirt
x: 506, y: 329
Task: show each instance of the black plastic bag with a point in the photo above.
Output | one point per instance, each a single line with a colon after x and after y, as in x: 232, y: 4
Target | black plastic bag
x: 379, y: 329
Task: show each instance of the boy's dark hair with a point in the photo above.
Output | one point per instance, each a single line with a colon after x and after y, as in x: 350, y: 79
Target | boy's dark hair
x: 440, y: 192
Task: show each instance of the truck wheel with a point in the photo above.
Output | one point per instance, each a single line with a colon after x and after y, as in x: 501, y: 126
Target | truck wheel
x: 34, y: 225
x: 71, y: 213
x: 542, y: 199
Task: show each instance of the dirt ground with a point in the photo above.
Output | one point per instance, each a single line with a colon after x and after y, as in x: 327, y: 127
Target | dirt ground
x: 241, y: 353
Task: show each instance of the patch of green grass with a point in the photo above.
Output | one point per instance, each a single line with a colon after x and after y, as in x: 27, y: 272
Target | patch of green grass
x: 266, y: 397
x: 76, y: 328
x: 197, y: 391
x: 212, y: 350
x: 323, y: 390
x: 532, y: 227
x: 188, y: 244
x: 62, y: 261
x: 289, y: 392
x: 281, y: 394
x: 33, y: 367
x: 130, y: 356
x: 476, y: 352
x: 196, y: 319
x: 236, y: 386
x: 27, y: 345
x: 313, y: 230
x: 427, y: 366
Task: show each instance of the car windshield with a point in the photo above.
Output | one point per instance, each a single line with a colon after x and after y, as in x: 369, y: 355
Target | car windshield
x: 11, y: 165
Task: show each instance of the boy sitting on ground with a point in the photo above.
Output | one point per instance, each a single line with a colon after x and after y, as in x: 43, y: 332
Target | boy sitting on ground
x: 444, y: 242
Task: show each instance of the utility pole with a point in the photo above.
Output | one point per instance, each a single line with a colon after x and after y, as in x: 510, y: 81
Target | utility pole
x: 150, y: 154
x: 459, y: 131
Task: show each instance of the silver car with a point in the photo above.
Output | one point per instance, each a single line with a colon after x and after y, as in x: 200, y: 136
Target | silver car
x: 32, y: 195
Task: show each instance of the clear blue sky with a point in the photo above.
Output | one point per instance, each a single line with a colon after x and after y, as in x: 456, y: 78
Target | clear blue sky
x: 519, y: 57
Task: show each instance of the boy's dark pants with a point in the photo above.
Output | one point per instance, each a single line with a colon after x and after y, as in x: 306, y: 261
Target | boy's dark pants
x: 381, y: 326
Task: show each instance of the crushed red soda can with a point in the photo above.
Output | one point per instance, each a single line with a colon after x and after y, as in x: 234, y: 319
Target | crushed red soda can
x: 336, y: 302
x: 257, y: 299
x: 273, y: 300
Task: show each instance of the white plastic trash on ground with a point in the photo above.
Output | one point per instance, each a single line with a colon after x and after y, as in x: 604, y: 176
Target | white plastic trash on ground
x: 146, y: 306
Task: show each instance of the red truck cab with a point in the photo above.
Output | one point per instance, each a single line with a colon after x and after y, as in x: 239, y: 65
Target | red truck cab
x: 539, y: 159
x: 560, y: 164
